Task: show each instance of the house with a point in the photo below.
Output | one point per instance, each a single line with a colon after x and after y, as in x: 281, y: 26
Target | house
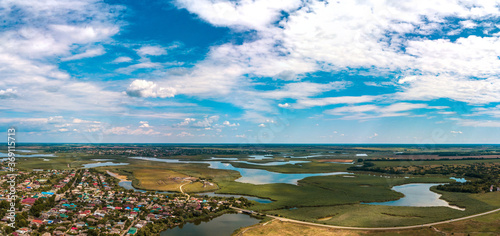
x: 28, y: 201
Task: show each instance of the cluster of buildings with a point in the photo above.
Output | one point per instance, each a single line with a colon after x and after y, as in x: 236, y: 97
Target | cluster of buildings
x: 55, y: 202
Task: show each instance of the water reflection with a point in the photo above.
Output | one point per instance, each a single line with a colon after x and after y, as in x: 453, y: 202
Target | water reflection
x: 259, y: 200
x: 100, y: 164
x: 252, y: 176
x: 274, y: 163
x: 223, y: 225
x: 416, y: 195
x: 255, y: 176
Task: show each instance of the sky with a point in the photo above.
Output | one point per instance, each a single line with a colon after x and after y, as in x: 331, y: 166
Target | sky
x: 250, y: 71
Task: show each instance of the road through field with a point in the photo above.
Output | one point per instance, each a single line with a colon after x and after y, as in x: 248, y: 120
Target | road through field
x: 384, y: 228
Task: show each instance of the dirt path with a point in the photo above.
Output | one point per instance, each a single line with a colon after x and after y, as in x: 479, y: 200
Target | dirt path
x: 182, y: 191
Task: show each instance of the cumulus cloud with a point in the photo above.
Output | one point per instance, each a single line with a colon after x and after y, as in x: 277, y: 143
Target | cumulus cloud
x: 186, y: 122
x: 284, y: 105
x: 40, y: 33
x: 144, y: 88
x: 144, y: 124
x: 206, y: 122
x: 294, y: 38
x: 229, y: 124
x: 244, y: 14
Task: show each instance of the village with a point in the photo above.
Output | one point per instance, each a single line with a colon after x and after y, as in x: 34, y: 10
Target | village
x: 89, y: 202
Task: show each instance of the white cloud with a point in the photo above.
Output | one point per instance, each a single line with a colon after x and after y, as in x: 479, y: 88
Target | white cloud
x: 145, y: 64
x: 478, y: 123
x: 473, y: 91
x: 206, y: 122
x: 312, y: 102
x: 93, y: 52
x: 245, y: 14
x: 229, y: 124
x: 363, y: 112
x: 8, y: 93
x: 447, y: 112
x: 122, y: 59
x: 262, y: 125
x: 302, y: 90
x: 186, y: 122
x: 185, y: 134
x: 333, y: 36
x: 468, y: 24
x: 44, y: 31
x: 144, y: 88
x: 125, y: 130
x: 456, y: 132
x: 151, y: 51
x: 80, y: 121
x: 285, y: 105
x: 144, y: 124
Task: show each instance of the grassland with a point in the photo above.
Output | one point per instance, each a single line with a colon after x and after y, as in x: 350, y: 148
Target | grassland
x: 325, y: 190
x: 430, y: 162
x: 483, y: 225
x: 168, y: 180
x: 278, y: 228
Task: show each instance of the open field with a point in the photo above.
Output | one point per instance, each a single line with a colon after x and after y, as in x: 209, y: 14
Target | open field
x: 388, y: 216
x: 278, y: 228
x: 326, y: 190
x: 482, y: 225
x: 167, y: 180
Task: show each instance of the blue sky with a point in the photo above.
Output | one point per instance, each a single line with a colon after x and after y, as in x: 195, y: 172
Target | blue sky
x: 288, y: 71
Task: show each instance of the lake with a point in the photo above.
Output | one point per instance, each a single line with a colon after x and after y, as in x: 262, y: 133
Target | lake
x: 2, y: 154
x: 128, y: 185
x: 274, y: 163
x: 260, y: 157
x: 416, y: 195
x: 251, y: 176
x: 100, y: 164
x: 223, y: 225
x: 256, y: 176
x: 259, y: 200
